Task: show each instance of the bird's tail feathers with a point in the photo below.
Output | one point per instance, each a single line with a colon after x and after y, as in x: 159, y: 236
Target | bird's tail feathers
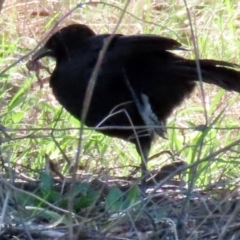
x: 220, y: 73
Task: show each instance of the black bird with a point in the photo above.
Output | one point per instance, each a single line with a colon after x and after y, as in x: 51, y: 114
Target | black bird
x: 139, y: 82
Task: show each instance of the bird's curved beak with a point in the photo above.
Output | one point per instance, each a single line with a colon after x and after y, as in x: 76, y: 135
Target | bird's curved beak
x: 42, y: 52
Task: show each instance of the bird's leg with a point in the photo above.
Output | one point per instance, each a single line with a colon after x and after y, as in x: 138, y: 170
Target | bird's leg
x: 143, y: 146
x: 144, y: 158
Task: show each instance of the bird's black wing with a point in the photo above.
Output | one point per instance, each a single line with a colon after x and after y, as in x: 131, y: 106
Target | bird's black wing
x: 147, y: 42
x: 128, y: 45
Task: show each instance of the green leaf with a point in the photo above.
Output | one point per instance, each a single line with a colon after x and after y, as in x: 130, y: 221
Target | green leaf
x: 46, y: 181
x: 114, y: 200
x: 133, y: 196
x: 18, y: 98
x: 49, y: 215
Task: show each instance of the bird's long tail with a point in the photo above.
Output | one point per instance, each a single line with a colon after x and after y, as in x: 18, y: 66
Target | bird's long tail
x: 223, y: 74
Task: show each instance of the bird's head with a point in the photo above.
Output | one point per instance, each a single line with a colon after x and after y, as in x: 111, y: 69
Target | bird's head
x: 59, y: 45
